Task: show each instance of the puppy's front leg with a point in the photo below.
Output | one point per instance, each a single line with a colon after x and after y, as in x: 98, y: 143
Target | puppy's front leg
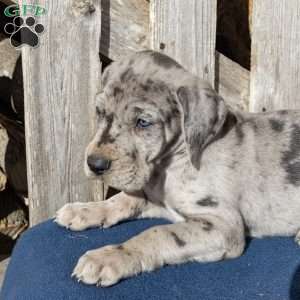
x: 205, y: 239
x: 80, y: 215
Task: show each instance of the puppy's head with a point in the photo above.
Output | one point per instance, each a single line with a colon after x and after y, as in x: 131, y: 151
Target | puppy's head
x: 149, y: 108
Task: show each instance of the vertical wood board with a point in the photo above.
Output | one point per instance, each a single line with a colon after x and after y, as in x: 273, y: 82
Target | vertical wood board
x: 61, y: 78
x: 124, y: 27
x: 186, y: 30
x: 275, y: 71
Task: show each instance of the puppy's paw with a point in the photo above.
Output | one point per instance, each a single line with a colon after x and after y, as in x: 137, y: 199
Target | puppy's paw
x: 79, y: 216
x: 106, y: 266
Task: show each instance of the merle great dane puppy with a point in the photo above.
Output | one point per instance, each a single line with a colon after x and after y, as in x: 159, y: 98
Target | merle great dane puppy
x: 177, y: 151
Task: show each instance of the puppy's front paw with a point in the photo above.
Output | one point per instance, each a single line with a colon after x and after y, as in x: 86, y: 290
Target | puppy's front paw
x: 106, y: 266
x: 79, y: 216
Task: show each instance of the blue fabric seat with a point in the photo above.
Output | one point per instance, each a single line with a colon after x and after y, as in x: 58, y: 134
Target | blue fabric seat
x: 44, y: 257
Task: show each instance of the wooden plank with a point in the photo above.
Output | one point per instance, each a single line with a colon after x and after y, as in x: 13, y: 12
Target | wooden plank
x: 61, y: 78
x: 8, y: 59
x: 232, y: 82
x: 275, y: 74
x: 186, y: 30
x: 3, y: 267
x: 125, y: 27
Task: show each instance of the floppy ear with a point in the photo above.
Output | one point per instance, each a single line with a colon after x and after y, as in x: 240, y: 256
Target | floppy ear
x: 204, y: 113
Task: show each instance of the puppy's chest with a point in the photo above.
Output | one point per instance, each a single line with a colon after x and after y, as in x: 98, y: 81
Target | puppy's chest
x: 179, y: 195
x: 181, y: 198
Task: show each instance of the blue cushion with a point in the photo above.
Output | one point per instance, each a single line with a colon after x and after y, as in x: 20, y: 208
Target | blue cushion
x: 44, y: 257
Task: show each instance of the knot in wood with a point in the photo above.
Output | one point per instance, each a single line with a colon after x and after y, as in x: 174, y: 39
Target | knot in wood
x: 83, y: 7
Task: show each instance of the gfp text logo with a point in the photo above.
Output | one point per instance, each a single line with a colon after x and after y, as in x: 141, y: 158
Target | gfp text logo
x: 24, y: 10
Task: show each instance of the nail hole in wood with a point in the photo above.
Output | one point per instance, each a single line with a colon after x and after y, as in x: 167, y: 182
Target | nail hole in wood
x: 162, y: 46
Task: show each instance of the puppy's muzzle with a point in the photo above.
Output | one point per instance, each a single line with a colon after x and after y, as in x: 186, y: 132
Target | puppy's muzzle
x: 98, y: 165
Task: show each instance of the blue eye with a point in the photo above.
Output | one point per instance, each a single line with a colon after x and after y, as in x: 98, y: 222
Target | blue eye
x: 143, y: 123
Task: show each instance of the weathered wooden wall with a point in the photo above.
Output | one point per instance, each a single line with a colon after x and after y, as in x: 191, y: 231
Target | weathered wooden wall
x: 61, y: 78
x: 275, y: 74
x: 124, y: 27
x: 186, y: 30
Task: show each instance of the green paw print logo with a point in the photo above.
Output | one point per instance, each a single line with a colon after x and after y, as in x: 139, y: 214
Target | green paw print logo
x: 24, y: 28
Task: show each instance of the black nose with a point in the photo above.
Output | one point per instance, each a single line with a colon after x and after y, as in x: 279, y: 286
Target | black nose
x: 98, y: 164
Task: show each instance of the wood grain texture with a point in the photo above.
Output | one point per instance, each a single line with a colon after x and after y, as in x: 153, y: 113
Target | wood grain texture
x: 8, y: 58
x: 275, y: 73
x: 125, y: 27
x: 3, y: 267
x: 186, y: 30
x: 232, y: 82
x: 61, y: 78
